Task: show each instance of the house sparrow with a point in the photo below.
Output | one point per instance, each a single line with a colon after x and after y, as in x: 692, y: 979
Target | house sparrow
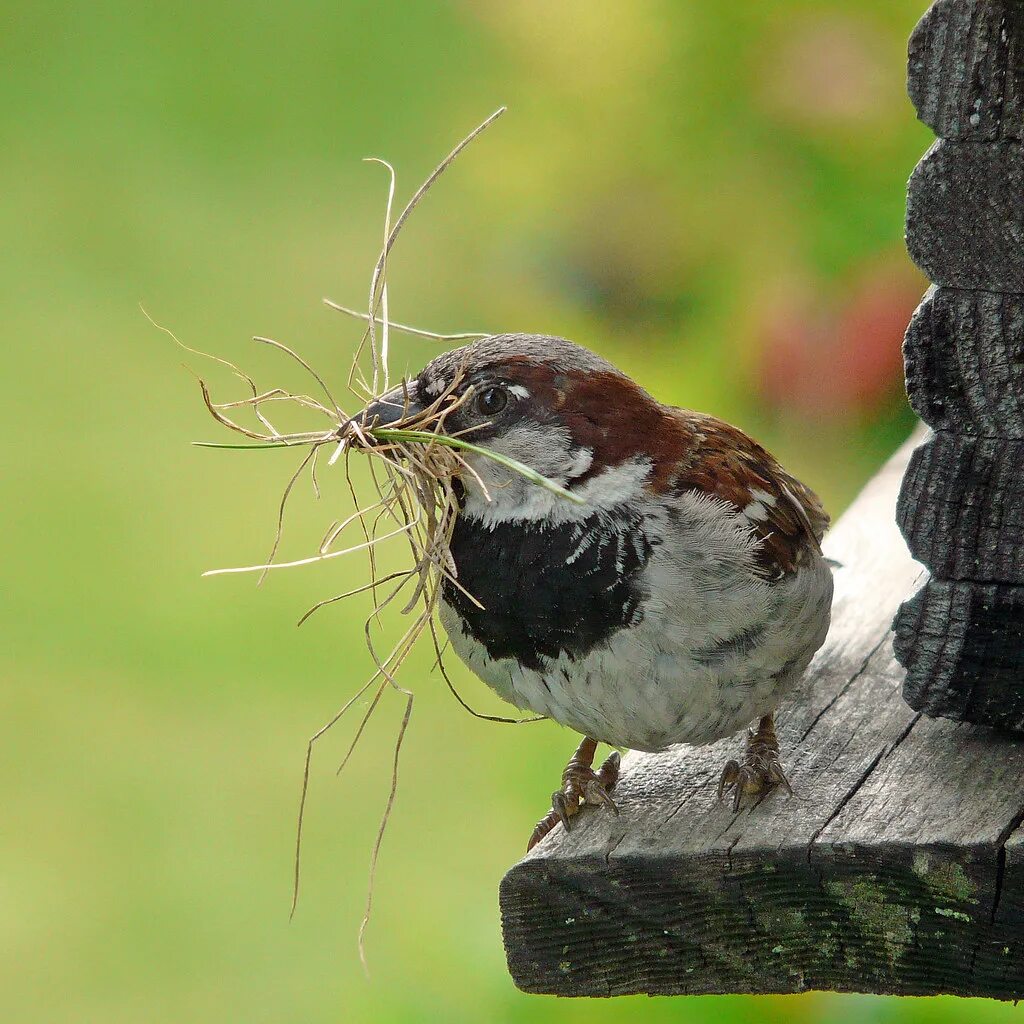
x: 682, y: 600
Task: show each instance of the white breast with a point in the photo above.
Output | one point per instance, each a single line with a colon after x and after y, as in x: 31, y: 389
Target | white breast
x: 716, y: 648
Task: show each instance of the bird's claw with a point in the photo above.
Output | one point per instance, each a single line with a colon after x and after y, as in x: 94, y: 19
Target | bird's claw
x: 761, y: 769
x: 596, y: 793
x: 561, y: 808
x: 580, y: 785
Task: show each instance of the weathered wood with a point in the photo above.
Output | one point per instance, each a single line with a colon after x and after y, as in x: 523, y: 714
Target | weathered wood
x: 962, y: 503
x: 965, y: 215
x: 961, y: 508
x: 884, y: 873
x: 962, y: 645
x: 1011, y: 904
x: 964, y: 360
x: 966, y: 69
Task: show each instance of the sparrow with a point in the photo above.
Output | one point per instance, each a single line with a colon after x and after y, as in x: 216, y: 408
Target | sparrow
x: 679, y: 601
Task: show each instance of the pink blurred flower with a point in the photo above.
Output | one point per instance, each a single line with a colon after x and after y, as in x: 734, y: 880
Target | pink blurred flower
x: 835, y: 360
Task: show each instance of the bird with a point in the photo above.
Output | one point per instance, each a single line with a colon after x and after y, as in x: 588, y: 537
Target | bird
x: 677, y: 600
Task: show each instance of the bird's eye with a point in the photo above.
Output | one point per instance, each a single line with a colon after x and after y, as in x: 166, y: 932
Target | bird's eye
x: 491, y: 401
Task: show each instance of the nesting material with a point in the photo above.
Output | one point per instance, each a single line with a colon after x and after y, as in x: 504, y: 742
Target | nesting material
x: 414, y: 466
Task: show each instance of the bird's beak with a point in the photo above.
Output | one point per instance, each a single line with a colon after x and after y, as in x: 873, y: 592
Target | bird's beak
x: 394, y: 405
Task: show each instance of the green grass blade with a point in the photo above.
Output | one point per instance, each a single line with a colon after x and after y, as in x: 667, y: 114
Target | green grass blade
x: 236, y: 447
x: 427, y: 437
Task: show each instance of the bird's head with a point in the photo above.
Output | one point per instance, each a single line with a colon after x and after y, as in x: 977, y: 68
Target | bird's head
x: 548, y: 403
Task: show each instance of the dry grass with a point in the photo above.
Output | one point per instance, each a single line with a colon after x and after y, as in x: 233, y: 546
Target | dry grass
x: 414, y: 464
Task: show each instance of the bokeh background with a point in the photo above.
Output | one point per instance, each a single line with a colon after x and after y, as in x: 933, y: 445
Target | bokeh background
x: 710, y: 194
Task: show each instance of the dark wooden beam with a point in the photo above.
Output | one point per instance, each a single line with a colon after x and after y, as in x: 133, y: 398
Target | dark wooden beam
x: 965, y: 215
x: 963, y: 648
x: 962, y: 506
x: 898, y: 866
x: 966, y: 69
x: 964, y: 359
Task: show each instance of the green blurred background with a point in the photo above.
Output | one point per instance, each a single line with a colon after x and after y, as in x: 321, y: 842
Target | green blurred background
x: 709, y: 194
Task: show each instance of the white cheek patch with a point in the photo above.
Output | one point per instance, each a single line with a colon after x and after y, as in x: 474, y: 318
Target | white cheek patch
x: 513, y: 498
x: 580, y: 463
x: 616, y: 484
x: 434, y: 388
x: 518, y: 390
x: 544, y: 448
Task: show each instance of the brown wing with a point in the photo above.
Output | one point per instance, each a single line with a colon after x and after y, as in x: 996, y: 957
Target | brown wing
x: 785, y: 515
x: 690, y: 451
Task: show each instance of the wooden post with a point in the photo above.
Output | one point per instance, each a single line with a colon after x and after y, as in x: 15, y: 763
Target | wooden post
x: 961, y: 636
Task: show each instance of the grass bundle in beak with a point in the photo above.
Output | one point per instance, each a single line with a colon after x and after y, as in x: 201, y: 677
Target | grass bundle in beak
x: 414, y: 465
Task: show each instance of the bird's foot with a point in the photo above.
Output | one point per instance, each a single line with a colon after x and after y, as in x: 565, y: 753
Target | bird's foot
x: 580, y: 785
x: 761, y: 769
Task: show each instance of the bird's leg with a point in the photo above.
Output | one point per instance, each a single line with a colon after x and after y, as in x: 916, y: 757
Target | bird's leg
x: 761, y: 769
x: 580, y: 785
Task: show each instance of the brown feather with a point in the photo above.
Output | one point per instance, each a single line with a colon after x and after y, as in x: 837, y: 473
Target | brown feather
x: 618, y: 420
x: 721, y: 460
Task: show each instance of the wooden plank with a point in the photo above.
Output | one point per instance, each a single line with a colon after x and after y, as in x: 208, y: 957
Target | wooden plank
x: 961, y: 508
x: 965, y: 215
x: 681, y: 895
x: 962, y: 645
x: 935, y: 817
x: 964, y: 360
x: 966, y: 69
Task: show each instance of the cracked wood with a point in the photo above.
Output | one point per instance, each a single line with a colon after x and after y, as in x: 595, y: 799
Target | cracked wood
x: 964, y: 360
x: 962, y: 644
x: 965, y: 215
x: 896, y: 867
x: 966, y: 69
x: 960, y: 635
x: 961, y: 508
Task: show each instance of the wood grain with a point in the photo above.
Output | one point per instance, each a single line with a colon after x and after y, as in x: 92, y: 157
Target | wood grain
x: 884, y: 873
x: 965, y: 215
x: 964, y: 360
x: 963, y: 648
x: 966, y: 69
x: 961, y: 508
x: 961, y: 636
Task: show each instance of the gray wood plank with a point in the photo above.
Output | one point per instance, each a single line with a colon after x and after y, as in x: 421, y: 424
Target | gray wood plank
x: 961, y: 508
x: 962, y: 645
x: 934, y: 817
x: 966, y: 69
x: 964, y: 359
x: 965, y: 215
x: 679, y: 894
